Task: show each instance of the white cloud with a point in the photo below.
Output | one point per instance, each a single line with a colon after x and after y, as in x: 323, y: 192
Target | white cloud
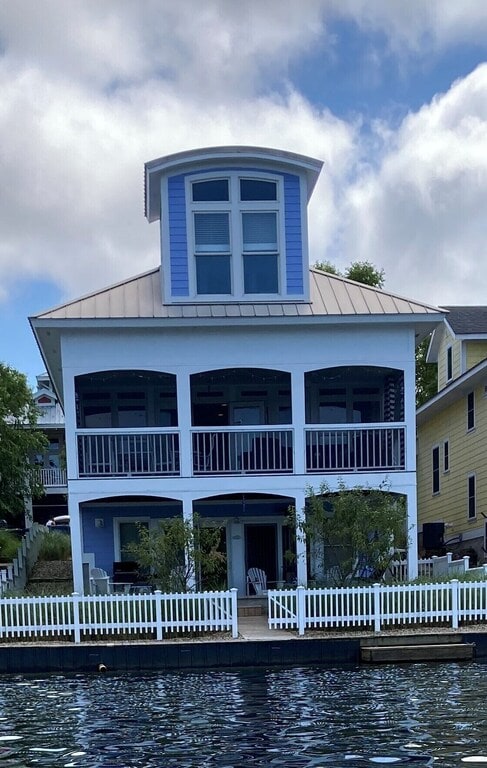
x: 421, y: 215
x: 72, y: 177
x: 91, y: 90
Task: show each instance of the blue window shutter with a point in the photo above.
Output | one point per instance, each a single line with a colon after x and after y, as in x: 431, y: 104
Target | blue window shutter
x: 178, y: 237
x: 294, y: 235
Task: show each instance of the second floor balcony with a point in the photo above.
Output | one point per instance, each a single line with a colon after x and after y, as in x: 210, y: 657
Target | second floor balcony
x: 241, y: 423
x: 241, y: 452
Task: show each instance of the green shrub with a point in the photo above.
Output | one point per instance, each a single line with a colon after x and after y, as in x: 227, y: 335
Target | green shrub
x: 55, y: 546
x: 9, y: 544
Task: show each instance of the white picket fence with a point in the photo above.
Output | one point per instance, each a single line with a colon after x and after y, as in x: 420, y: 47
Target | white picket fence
x: 431, y: 567
x: 379, y: 606
x: 84, y: 617
x: 15, y: 575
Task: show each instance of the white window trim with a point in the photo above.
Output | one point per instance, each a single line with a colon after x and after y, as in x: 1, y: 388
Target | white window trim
x: 449, y: 361
x: 433, y: 449
x: 235, y: 207
x: 469, y: 477
x: 116, y: 530
x: 472, y: 392
x: 446, y: 469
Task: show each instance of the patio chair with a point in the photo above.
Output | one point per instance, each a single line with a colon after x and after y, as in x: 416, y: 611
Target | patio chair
x: 100, y: 582
x: 257, y: 578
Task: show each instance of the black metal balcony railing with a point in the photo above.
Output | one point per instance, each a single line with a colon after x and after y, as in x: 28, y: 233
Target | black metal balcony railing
x: 355, y: 449
x: 243, y: 452
x: 128, y: 453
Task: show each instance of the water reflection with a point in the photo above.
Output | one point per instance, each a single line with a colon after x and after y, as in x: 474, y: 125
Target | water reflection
x: 298, y: 717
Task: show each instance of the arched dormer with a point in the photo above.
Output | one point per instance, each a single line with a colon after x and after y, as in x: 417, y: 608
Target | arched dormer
x: 233, y: 223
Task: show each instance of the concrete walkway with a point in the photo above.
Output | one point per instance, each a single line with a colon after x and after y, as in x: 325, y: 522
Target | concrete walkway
x: 256, y: 628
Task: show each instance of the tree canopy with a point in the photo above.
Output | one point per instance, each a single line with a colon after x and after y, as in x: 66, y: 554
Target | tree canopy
x: 426, y: 374
x: 19, y: 442
x: 352, y: 533
x: 360, y: 271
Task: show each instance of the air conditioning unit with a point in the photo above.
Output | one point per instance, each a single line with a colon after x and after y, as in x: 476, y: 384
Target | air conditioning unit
x: 433, y: 535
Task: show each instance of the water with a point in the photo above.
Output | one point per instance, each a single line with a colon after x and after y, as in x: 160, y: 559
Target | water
x: 355, y: 716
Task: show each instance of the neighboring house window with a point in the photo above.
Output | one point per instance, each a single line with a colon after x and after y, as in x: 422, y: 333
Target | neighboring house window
x: 449, y: 363
x: 236, y: 224
x: 436, y: 469
x: 470, y: 411
x: 446, y: 456
x: 472, y: 511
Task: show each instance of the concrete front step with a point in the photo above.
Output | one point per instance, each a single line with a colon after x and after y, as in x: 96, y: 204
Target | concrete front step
x: 251, y: 606
x: 382, y: 654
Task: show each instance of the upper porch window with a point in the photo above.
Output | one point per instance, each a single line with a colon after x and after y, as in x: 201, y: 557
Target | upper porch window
x: 354, y: 395
x: 126, y: 399
x: 235, y: 223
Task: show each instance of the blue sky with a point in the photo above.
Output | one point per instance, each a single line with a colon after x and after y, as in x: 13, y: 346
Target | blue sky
x: 392, y: 96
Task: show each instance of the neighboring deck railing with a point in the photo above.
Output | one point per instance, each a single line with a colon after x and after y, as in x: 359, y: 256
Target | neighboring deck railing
x: 355, y: 449
x: 128, y: 452
x: 52, y: 477
x: 379, y: 606
x: 79, y: 617
x: 431, y: 567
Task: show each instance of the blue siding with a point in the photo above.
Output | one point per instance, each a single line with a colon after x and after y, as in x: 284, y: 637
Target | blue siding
x: 178, y: 238
x: 294, y: 235
x: 100, y: 541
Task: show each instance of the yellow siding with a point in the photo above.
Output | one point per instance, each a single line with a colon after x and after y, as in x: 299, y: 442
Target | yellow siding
x: 476, y: 351
x: 456, y: 346
x: 467, y: 456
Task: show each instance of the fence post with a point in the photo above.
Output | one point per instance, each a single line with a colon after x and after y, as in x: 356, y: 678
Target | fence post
x: 233, y: 598
x: 377, y: 612
x: 300, y: 610
x: 455, y: 584
x: 76, y: 621
x: 466, y: 563
x: 159, y: 628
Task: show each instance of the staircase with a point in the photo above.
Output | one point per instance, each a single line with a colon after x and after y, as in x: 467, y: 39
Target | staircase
x: 412, y: 648
x: 251, y: 606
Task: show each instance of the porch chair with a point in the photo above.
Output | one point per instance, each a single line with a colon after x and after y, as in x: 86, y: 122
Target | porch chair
x: 100, y: 582
x: 257, y: 578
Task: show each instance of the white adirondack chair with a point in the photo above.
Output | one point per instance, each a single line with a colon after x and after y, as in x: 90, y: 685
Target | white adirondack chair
x: 257, y: 578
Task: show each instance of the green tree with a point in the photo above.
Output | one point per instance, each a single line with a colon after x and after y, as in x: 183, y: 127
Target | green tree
x: 360, y: 271
x: 176, y: 554
x: 352, y: 533
x: 19, y: 442
x: 426, y: 374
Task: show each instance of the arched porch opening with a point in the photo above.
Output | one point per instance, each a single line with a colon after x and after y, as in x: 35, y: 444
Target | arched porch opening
x: 353, y: 534
x: 239, y: 418
x: 109, y: 525
x: 355, y: 419
x: 256, y: 534
x: 127, y: 424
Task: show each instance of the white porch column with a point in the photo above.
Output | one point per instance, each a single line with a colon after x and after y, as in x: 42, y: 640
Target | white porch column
x: 297, y: 401
x: 188, y: 519
x: 76, y: 544
x: 301, y: 546
x: 184, y: 423
x: 412, y: 533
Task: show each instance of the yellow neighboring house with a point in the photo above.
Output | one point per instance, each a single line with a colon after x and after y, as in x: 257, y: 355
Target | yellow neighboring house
x: 452, y: 439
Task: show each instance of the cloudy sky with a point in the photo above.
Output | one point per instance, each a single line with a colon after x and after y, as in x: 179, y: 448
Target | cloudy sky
x: 391, y: 95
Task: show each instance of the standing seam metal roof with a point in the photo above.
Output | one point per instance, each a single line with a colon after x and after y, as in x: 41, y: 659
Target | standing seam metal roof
x: 141, y: 297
